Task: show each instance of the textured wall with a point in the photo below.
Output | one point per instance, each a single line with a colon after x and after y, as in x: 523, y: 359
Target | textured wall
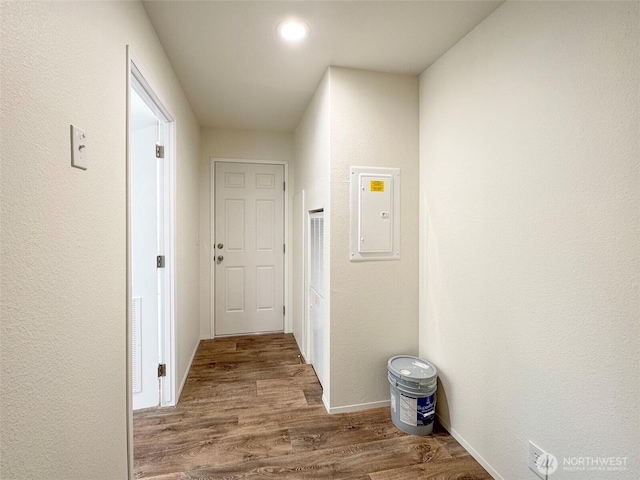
x: 312, y: 150
x: 374, y: 305
x: 237, y: 144
x: 63, y: 244
x: 530, y: 194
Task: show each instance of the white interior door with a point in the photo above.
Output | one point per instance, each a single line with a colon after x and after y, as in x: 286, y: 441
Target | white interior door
x: 249, y: 248
x: 145, y: 243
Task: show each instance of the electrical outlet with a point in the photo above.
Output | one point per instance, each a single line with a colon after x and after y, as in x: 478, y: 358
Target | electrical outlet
x: 540, y: 462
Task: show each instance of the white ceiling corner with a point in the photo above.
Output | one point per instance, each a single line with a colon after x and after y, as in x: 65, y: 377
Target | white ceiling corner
x: 237, y: 73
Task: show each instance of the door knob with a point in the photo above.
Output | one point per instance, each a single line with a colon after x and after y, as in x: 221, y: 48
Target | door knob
x: 220, y: 246
x: 220, y: 258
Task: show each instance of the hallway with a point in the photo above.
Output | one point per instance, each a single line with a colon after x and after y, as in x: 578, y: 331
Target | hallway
x: 249, y: 409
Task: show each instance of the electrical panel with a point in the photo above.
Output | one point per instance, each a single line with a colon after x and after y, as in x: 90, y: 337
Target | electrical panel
x: 375, y: 214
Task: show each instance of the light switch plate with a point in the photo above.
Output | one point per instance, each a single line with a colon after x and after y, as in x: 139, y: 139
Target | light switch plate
x: 78, y: 147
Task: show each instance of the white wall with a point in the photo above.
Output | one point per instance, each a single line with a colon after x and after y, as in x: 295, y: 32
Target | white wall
x: 312, y: 153
x: 530, y: 194
x: 236, y: 144
x: 374, y: 305
x: 63, y: 341
x: 368, y: 119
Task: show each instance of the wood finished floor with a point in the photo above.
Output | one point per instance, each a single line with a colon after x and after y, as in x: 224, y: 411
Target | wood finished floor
x: 250, y: 410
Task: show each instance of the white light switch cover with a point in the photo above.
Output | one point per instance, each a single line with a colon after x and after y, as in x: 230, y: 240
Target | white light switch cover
x: 78, y: 147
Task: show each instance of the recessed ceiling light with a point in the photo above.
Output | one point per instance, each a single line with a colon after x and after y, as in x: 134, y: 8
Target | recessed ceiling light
x: 293, y: 30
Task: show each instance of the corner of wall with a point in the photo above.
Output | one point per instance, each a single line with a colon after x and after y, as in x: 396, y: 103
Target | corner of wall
x: 529, y: 266
x: 374, y: 305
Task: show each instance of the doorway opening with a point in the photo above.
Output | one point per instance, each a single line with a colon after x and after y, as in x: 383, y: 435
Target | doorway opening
x: 150, y: 306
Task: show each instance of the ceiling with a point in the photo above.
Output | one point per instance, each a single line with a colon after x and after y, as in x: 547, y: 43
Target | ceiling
x: 236, y: 72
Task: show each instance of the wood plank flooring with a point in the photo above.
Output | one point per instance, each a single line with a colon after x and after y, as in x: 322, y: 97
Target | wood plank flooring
x: 251, y: 410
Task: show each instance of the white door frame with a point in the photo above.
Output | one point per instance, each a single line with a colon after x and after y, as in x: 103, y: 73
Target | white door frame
x: 314, y: 355
x: 304, y: 257
x: 287, y: 322
x: 138, y: 78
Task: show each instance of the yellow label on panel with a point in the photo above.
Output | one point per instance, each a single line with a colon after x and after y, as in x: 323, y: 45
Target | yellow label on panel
x: 377, y: 185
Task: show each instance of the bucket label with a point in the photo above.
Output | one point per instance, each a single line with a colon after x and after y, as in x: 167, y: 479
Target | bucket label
x: 417, y: 412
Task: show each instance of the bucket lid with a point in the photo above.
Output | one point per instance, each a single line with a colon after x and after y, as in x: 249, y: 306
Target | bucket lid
x: 412, y: 369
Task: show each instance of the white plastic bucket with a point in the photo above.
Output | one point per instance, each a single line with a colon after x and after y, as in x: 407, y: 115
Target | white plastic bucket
x: 413, y: 383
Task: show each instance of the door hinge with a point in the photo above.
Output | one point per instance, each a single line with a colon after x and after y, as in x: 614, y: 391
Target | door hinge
x: 159, y: 151
x: 284, y: 248
x: 160, y: 261
x: 162, y: 370
x: 284, y: 186
x: 283, y: 310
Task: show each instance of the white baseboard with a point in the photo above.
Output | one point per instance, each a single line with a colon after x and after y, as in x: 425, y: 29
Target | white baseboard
x: 186, y: 374
x: 326, y: 403
x: 472, y: 451
x: 354, y: 408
